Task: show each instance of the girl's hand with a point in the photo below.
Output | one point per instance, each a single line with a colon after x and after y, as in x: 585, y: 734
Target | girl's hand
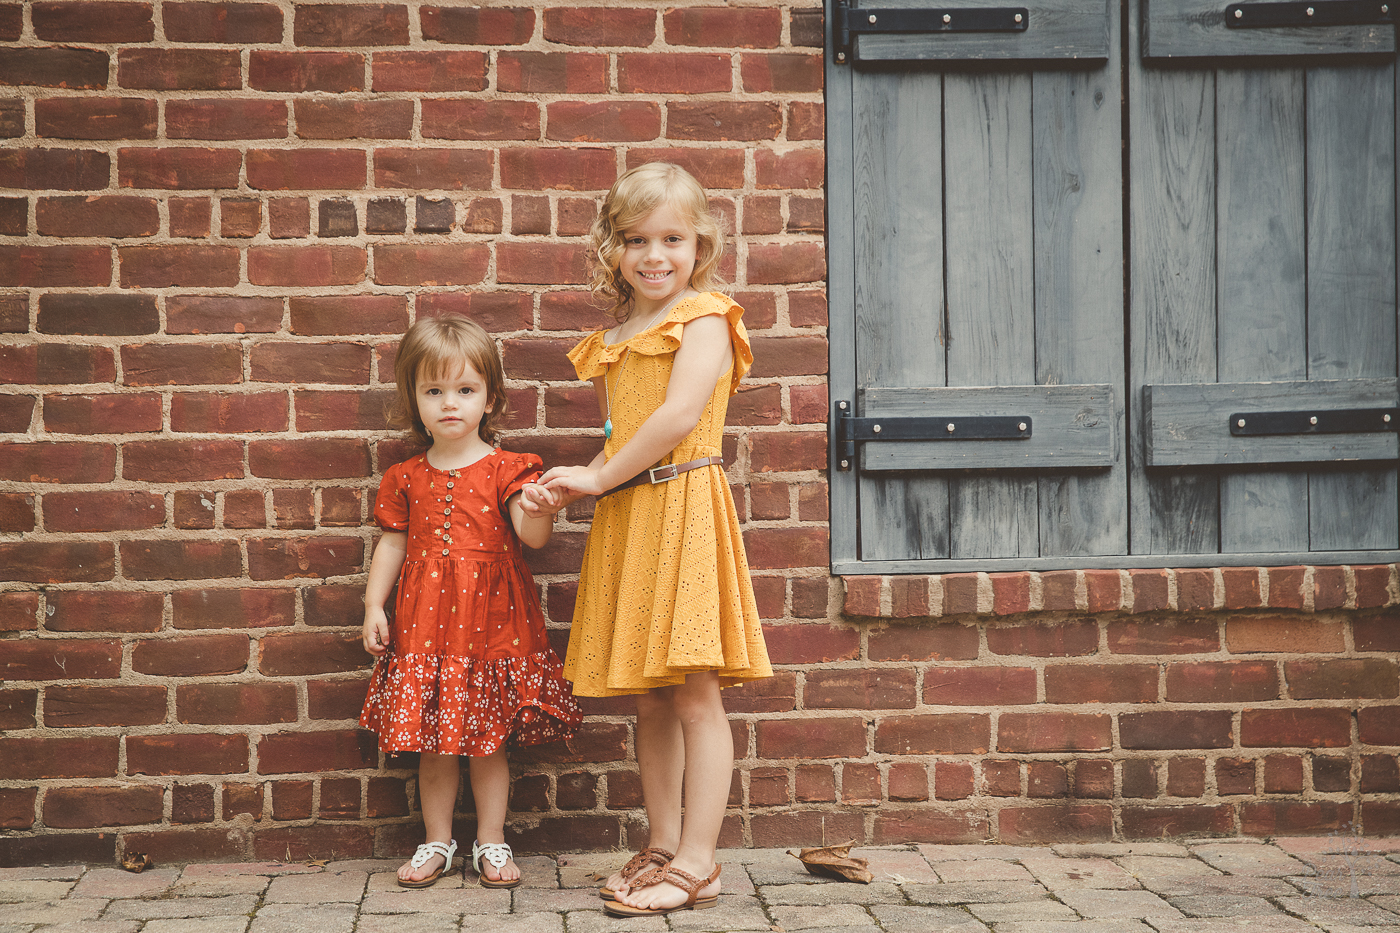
x: 582, y: 480
x: 538, y: 501
x: 376, y: 632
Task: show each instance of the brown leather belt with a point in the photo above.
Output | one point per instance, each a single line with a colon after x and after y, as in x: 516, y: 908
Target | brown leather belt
x: 663, y: 473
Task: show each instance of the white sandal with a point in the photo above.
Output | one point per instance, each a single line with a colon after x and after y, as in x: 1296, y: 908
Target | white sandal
x: 420, y: 858
x: 497, y: 853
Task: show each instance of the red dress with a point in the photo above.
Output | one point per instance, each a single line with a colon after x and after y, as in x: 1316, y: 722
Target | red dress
x: 469, y: 665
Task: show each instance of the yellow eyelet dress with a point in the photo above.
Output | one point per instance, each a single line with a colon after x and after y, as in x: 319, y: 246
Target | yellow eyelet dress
x: 665, y: 589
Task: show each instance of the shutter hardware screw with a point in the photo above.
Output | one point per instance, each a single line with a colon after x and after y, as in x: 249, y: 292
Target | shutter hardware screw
x: 947, y: 18
x: 845, y: 464
x: 1021, y: 426
x: 876, y: 429
x: 1312, y: 420
x: 1239, y: 14
x: 1311, y: 11
x: 1240, y: 423
x: 1385, y: 418
x: 950, y: 428
x: 1018, y: 17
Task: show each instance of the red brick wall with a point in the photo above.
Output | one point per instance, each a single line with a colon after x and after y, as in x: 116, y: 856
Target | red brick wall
x: 218, y: 219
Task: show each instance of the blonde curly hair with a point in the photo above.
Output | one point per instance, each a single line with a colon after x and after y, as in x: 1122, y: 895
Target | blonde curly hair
x: 632, y: 197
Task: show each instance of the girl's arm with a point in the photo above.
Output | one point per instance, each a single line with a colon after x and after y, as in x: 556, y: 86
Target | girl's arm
x: 532, y: 529
x: 705, y: 348
x: 384, y: 568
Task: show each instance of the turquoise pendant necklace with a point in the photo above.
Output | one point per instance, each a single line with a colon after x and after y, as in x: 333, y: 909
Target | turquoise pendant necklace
x: 607, y: 423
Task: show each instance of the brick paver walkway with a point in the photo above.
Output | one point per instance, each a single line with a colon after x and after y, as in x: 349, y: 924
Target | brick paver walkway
x: 1334, y: 884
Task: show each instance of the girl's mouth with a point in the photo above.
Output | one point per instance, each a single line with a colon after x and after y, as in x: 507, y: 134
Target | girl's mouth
x: 654, y: 276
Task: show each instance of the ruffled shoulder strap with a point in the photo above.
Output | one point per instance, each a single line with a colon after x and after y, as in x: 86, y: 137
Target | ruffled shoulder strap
x: 592, y: 356
x: 666, y: 337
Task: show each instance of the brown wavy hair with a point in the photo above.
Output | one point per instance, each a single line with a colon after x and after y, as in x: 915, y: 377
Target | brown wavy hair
x: 436, y: 347
x: 632, y: 197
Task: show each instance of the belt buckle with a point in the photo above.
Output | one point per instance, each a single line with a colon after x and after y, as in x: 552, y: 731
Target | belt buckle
x: 655, y: 473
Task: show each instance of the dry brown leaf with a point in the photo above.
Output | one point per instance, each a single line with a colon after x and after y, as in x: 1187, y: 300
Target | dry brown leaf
x: 835, y: 862
x: 317, y: 862
x: 137, y: 862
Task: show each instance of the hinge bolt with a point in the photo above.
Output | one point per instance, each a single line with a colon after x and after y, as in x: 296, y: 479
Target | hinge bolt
x: 872, y: 18
x: 1312, y: 420
x: 1239, y: 14
x: 1018, y: 17
x: 1021, y: 426
x: 845, y: 464
x: 842, y: 405
x: 947, y: 18
x: 1311, y: 11
x: 876, y: 429
x: 840, y: 56
x: 1385, y: 418
x: 1240, y: 423
x: 950, y: 428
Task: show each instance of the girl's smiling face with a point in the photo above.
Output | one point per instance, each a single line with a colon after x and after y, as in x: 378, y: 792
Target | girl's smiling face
x: 452, y: 404
x: 658, y: 257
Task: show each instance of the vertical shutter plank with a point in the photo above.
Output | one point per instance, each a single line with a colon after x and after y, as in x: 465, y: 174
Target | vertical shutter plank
x: 1172, y: 164
x: 1351, y: 280
x: 1078, y: 217
x: 1261, y: 294
x: 991, y: 311
x: 898, y: 289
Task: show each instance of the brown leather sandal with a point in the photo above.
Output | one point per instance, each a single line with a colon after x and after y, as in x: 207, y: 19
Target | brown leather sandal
x: 681, y: 879
x: 651, y: 855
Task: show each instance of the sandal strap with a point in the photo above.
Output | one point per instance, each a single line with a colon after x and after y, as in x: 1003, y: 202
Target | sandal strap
x: 678, y: 877
x: 428, y: 849
x: 651, y: 855
x: 497, y: 853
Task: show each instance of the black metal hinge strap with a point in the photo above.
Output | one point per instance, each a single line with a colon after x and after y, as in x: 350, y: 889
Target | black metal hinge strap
x: 1312, y: 13
x: 854, y: 21
x: 1336, y: 421
x: 851, y: 430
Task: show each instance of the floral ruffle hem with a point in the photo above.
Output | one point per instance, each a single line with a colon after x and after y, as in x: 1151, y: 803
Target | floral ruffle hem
x: 466, y: 706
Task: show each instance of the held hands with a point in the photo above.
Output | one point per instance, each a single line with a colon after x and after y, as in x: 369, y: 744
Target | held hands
x: 577, y: 480
x: 376, y: 632
x: 538, y: 501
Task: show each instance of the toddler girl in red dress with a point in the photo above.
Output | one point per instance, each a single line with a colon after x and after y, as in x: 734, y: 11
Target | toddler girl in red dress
x: 465, y: 664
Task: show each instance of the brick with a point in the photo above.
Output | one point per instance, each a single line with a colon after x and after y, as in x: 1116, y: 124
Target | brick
x: 782, y: 73
x: 164, y: 266
x: 222, y: 314
x: 819, y: 738
x: 496, y: 312
x: 441, y: 169
x: 478, y: 25
x: 1284, y: 817
x: 14, y: 221
x: 81, y: 706
x: 83, y: 807
x: 54, y: 659
x: 343, y: 411
x: 787, y: 548
x: 942, y: 642
x: 102, y: 511
x: 1107, y: 683
x: 238, y: 23
x: 303, y: 72
x: 1174, y: 822
x: 192, y: 803
x: 19, y: 611
x: 337, y: 699
x: 806, y: 215
x: 1372, y: 586
x: 342, y: 506
x: 1380, y: 774
x: 348, y: 314
x: 786, y: 263
x: 860, y: 689
x: 295, y: 752
x: 552, y: 72
x: 451, y: 264
x: 340, y: 363
x: 579, y: 169
x: 982, y: 686
x: 190, y: 217
x: 59, y: 21
x: 810, y: 643
x: 289, y: 169
x: 1222, y: 682
x: 1376, y: 633
x: 351, y: 24
x: 354, y: 119
x: 132, y: 413
x: 182, y: 364
x: 1175, y: 729
x: 673, y: 73
x: 1140, y: 778
x: 1241, y: 587
x: 318, y: 556
x: 1329, y: 588
x: 1295, y: 727
x: 860, y: 784
x: 1011, y: 593
x: 103, y: 611
x: 25, y: 759
x: 56, y: 462
x: 718, y: 27
x: 1149, y: 588
x: 1057, y: 589
x: 1195, y: 589
x: 1166, y: 636
x: 233, y: 608
x: 1053, y: 732
x: 54, y: 67
x: 182, y: 461
x: 224, y: 413
x: 1245, y: 634
x: 386, y: 215
x: 179, y: 69
x: 1105, y: 590
x: 789, y: 356
x: 236, y: 704
x: 1235, y: 776
x: 1046, y: 779
x: 187, y: 754
x: 302, y: 653
x: 1093, y: 778
x: 239, y: 799
x: 1055, y: 823
x: 434, y: 71
x: 715, y: 121
x: 94, y: 315
x: 17, y: 807
x: 61, y: 266
x: 1286, y: 587
x: 226, y: 118
x: 954, y: 733
x: 240, y: 217
x: 337, y: 217
x: 1067, y: 639
x: 1186, y: 777
x: 908, y: 781
x: 191, y: 655
x: 804, y: 828
x: 245, y: 508
x: 95, y: 118
x: 1342, y: 678
x: 306, y: 266
x: 600, y: 27
x: 941, y: 827
x: 317, y: 458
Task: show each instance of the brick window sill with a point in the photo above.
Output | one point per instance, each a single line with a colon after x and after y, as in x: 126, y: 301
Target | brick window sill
x: 1300, y: 588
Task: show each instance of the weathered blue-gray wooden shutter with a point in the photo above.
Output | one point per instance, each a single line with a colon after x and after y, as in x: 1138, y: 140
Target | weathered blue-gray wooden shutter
x: 1263, y: 271
x: 975, y: 221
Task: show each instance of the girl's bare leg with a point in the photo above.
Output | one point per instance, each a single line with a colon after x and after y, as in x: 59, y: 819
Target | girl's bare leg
x: 490, y: 775
x: 439, y: 776
x: 709, y: 768
x: 661, y: 761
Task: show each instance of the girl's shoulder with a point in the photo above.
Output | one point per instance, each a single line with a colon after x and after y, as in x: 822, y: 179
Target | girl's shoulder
x: 703, y: 305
